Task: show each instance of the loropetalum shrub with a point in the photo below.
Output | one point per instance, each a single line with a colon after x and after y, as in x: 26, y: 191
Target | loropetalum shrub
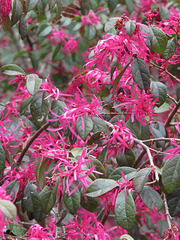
x: 89, y: 122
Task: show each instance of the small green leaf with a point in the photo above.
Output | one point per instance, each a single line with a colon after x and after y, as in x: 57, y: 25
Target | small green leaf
x: 58, y: 54
x: 126, y: 159
x: 141, y: 74
x: 90, y: 32
x: 99, y: 125
x: 2, y: 159
x: 57, y: 107
x: 73, y: 201
x: 48, y: 198
x: 119, y: 76
x: 129, y: 5
x: 112, y: 4
x: 31, y: 202
x: 102, y: 155
x: 130, y: 27
x: 16, y: 12
x: 30, y: 4
x: 90, y: 204
x: 125, y: 210
x: 151, y: 198
x: 44, y: 30
x: 52, y: 3
x: 12, y: 70
x: 18, y: 230
x: 110, y: 24
x: 158, y: 40
x: 40, y: 106
x: 22, y: 28
x: 126, y: 237
x: 100, y: 187
x: 171, y: 48
x: 135, y: 127
x: 33, y: 83
x: 163, y: 12
x: 25, y: 104
x: 173, y: 200
x: 141, y: 178
x: 40, y: 169
x: 129, y: 173
x: 171, y: 173
x: 8, y: 209
x: 159, y: 90
x: 59, y: 8
x: 158, y: 131
x: 13, y: 188
x: 84, y: 128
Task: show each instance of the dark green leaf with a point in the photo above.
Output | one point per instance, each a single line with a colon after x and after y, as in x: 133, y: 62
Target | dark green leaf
x: 141, y: 178
x: 158, y: 40
x: 72, y: 201
x: 129, y: 173
x: 173, y: 199
x: 99, y: 168
x: 84, y: 128
x: 2, y: 159
x: 129, y: 5
x: 158, y: 131
x: 171, y: 48
x: 30, y: 4
x: 130, y: 27
x: 141, y: 74
x: 12, y: 70
x: 22, y: 28
x: 40, y: 106
x: 40, y: 169
x: 16, y: 12
x: 102, y: 155
x: 18, y: 230
x: 96, y: 136
x: 117, y: 79
x: 90, y: 204
x: 163, y: 12
x: 135, y: 127
x: 58, y: 54
x: 52, y: 3
x: 59, y: 8
x: 151, y: 198
x: 99, y: 125
x: 90, y: 32
x: 34, y: 60
x: 25, y: 104
x: 171, y: 173
x: 159, y: 90
x: 126, y: 159
x: 31, y: 202
x: 145, y: 133
x: 57, y: 107
x: 33, y: 83
x: 13, y: 188
x: 48, y: 198
x: 125, y: 210
x: 112, y: 4
x: 100, y: 187
x: 6, y: 25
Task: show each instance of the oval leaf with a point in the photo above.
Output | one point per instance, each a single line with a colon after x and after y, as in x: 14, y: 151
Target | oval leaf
x: 2, y: 159
x: 8, y: 209
x: 84, y: 128
x: 141, y: 74
x: 171, y: 173
x: 130, y: 27
x: 100, y: 187
x: 151, y: 198
x: 141, y: 178
x: 125, y: 210
x: 126, y: 159
x: 158, y: 40
x: 171, y: 48
x: 159, y: 90
x: 33, y: 83
x: 12, y: 70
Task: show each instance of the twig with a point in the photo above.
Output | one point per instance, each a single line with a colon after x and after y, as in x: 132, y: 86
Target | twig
x: 173, y: 99
x: 168, y: 216
x: 146, y: 148
x: 170, y: 117
x: 166, y: 71
x: 31, y: 140
x: 161, y: 139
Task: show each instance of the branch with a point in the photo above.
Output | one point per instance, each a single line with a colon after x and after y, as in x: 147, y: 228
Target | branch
x: 31, y: 140
x: 161, y: 139
x: 170, y: 117
x: 146, y: 148
x: 168, y: 216
x: 166, y: 71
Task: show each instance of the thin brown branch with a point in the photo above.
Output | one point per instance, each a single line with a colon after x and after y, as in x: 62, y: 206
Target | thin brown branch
x: 168, y: 216
x: 161, y: 139
x: 170, y: 117
x: 31, y: 140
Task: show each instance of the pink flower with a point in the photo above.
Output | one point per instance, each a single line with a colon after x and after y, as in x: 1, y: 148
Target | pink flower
x: 5, y: 9
x: 37, y: 232
x: 90, y: 18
